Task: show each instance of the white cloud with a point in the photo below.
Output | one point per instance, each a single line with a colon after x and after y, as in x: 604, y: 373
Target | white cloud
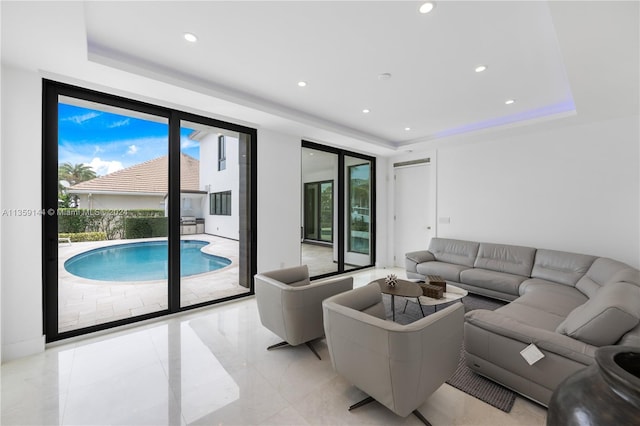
x: 102, y: 167
x: 79, y: 119
x: 132, y: 149
x: 185, y: 143
x: 119, y: 123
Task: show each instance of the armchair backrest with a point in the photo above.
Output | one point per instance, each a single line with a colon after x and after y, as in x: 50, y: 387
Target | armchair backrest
x: 398, y: 365
x: 291, y: 306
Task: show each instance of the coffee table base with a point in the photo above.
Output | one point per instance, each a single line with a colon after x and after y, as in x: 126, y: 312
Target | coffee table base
x: 393, y: 306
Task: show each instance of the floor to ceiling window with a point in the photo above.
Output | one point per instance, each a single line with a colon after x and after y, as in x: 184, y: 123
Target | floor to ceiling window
x: 129, y: 229
x: 338, y: 210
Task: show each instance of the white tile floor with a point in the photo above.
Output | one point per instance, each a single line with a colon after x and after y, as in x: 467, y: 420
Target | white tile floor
x: 210, y: 367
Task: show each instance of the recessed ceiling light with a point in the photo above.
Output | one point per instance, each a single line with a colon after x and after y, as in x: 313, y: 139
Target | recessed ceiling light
x: 481, y: 68
x: 509, y: 101
x: 366, y: 111
x: 427, y: 7
x: 190, y: 37
x: 407, y: 128
x: 302, y: 83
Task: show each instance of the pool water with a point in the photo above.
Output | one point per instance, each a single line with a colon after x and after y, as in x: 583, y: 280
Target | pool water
x: 143, y: 261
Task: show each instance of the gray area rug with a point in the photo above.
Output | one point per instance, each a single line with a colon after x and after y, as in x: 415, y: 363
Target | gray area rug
x: 463, y: 378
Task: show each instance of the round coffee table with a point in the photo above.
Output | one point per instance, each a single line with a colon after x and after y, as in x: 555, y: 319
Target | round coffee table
x: 402, y: 288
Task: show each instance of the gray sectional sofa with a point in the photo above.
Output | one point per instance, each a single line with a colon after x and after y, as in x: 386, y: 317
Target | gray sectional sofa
x: 566, y: 304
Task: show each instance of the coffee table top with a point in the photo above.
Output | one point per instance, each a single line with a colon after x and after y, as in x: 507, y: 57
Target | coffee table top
x: 452, y: 294
x: 402, y: 288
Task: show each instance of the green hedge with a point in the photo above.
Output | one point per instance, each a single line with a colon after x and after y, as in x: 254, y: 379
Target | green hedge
x: 77, y: 237
x: 145, y: 213
x: 145, y: 227
x: 75, y: 221
x: 111, y: 222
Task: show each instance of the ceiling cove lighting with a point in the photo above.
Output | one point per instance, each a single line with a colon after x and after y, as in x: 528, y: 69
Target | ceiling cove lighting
x: 302, y: 83
x: 190, y: 37
x: 509, y: 101
x: 427, y: 7
x: 481, y: 68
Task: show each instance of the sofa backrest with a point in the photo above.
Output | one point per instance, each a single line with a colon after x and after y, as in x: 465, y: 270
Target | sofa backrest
x: 561, y: 266
x: 516, y: 260
x: 604, y: 270
x: 454, y: 251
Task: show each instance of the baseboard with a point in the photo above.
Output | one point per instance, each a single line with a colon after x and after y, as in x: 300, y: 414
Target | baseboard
x: 22, y: 348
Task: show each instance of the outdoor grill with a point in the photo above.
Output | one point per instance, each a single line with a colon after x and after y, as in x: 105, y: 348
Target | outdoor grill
x: 188, y: 220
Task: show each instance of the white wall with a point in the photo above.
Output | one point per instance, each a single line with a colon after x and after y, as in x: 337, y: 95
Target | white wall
x: 21, y: 279
x: 219, y: 181
x: 573, y: 188
x: 278, y: 200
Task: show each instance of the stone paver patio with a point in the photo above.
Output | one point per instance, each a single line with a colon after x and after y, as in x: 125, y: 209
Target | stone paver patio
x: 83, y: 302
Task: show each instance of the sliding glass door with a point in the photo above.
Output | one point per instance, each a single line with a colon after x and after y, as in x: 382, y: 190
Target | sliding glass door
x: 141, y: 215
x: 358, y: 212
x: 338, y: 210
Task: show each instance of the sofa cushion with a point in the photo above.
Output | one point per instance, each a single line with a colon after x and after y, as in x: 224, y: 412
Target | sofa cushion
x: 537, y: 284
x: 448, y: 271
x: 531, y: 315
x: 602, y: 270
x: 516, y: 260
x: 555, y: 299
x: 606, y: 317
x: 560, y: 266
x: 492, y: 280
x: 454, y: 251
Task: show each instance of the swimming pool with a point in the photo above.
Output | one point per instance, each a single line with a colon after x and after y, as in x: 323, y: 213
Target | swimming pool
x: 143, y: 261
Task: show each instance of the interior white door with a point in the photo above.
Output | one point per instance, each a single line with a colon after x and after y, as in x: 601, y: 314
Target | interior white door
x: 413, y: 210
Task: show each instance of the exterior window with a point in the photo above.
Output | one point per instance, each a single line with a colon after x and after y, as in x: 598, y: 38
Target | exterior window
x: 222, y: 153
x: 220, y: 203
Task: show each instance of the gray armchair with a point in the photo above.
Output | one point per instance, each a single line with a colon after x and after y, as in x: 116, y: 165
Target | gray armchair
x: 397, y: 365
x: 290, y: 305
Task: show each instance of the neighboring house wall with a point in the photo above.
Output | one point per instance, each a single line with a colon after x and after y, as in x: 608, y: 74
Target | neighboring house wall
x: 220, y: 181
x: 119, y: 202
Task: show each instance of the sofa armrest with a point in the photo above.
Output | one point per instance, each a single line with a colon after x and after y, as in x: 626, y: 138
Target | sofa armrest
x: 420, y: 256
x: 545, y: 340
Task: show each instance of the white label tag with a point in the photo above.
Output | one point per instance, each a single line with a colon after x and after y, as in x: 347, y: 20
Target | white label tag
x: 531, y: 354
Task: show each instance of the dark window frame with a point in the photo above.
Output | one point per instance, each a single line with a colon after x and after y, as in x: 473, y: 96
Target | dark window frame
x: 51, y: 91
x: 220, y: 203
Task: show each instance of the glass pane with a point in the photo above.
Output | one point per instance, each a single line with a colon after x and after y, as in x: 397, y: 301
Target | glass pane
x: 357, y: 215
x: 211, y: 266
x: 318, y: 251
x: 112, y: 227
x: 326, y: 211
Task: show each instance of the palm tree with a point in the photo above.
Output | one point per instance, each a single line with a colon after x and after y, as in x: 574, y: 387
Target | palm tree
x: 72, y: 174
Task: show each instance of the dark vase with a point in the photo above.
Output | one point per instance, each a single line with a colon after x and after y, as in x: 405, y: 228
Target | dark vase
x: 606, y: 393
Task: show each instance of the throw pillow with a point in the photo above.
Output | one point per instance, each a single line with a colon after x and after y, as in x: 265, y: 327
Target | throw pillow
x: 606, y: 317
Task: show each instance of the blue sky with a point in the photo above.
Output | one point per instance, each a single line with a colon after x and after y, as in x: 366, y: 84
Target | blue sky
x: 109, y: 142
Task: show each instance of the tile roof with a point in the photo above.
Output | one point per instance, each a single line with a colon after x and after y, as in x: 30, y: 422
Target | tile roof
x: 149, y: 177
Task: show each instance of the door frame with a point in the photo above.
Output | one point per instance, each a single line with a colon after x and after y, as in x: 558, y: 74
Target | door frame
x: 341, y: 198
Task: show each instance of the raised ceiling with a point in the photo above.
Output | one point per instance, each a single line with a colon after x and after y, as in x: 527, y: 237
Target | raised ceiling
x: 575, y: 60
x: 257, y: 52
